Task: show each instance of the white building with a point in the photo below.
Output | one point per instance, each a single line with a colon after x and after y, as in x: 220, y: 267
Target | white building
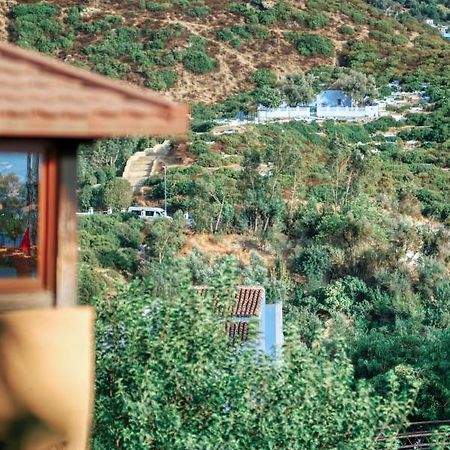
x: 283, y: 112
x: 329, y: 104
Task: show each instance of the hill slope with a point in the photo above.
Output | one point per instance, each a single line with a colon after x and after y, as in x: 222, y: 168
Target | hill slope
x: 206, y: 50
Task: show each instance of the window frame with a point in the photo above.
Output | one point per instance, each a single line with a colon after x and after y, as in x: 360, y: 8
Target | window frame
x: 47, y: 214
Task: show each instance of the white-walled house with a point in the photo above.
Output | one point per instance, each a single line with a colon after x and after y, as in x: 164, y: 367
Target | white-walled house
x: 283, y: 112
x: 332, y: 98
x: 348, y: 112
x: 329, y: 104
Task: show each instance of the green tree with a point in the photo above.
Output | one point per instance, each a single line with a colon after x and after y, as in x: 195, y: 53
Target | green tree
x: 165, y: 238
x: 359, y: 86
x: 347, y: 164
x: 117, y: 194
x: 298, y: 88
x: 268, y: 96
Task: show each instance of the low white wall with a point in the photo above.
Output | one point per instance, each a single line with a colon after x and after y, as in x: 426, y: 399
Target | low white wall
x: 347, y: 112
x: 299, y: 112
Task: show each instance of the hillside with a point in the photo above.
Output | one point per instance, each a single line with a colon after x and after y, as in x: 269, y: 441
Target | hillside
x: 207, y: 50
x: 346, y: 223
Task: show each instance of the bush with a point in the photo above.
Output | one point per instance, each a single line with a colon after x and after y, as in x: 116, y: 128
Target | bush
x: 37, y: 26
x: 225, y: 34
x: 198, y: 61
x: 198, y: 11
x: 154, y: 6
x: 346, y: 30
x: 309, y: 44
x: 161, y: 80
x: 314, y: 262
x: 264, y: 77
x: 315, y: 21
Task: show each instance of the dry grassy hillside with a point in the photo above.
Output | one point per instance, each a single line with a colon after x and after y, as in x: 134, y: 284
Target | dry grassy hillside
x: 146, y: 42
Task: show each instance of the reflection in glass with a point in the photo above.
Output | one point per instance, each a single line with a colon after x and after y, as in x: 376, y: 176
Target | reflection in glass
x: 19, y: 180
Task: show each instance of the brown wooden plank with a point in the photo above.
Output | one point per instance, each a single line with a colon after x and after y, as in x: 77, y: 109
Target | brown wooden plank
x: 67, y: 245
x: 35, y: 300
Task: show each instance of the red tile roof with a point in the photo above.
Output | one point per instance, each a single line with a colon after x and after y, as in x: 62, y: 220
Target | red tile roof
x: 247, y: 306
x: 248, y: 300
x: 41, y: 97
x: 237, y: 331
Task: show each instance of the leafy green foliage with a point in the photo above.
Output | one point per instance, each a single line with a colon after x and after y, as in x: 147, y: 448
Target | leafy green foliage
x: 165, y: 238
x: 161, y: 79
x: 109, y: 242
x: 268, y: 96
x: 298, y: 89
x: 197, y: 60
x: 309, y: 44
x: 116, y: 194
x: 167, y: 377
x: 36, y: 26
x: 264, y: 77
x: 198, y: 11
x: 346, y: 30
x: 358, y: 86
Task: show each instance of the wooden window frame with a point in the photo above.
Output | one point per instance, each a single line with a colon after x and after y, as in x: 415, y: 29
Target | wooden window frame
x: 47, y: 216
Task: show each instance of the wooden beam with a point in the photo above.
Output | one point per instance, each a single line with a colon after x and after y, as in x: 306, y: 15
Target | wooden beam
x: 30, y: 300
x: 67, y: 240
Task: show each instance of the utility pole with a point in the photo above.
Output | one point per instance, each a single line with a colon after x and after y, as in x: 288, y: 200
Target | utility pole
x: 165, y: 189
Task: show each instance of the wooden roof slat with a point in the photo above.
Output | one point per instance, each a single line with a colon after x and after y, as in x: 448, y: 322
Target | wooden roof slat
x: 42, y: 97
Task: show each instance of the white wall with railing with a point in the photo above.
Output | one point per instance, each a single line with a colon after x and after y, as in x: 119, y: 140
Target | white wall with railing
x: 347, y: 112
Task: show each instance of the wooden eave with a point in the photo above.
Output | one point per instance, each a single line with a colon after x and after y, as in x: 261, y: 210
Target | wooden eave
x: 43, y: 98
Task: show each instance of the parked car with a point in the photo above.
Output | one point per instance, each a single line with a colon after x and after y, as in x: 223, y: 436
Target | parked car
x: 148, y: 213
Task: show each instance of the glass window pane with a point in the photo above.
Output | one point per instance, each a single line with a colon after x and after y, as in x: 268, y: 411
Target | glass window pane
x: 19, y: 180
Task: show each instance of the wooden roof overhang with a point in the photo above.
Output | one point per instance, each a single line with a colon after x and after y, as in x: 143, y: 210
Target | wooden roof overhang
x: 44, y: 98
x: 49, y: 107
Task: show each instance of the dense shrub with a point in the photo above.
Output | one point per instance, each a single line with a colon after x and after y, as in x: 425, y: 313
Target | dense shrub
x: 314, y: 21
x: 154, y: 6
x: 198, y: 61
x: 346, y: 30
x: 37, y: 26
x: 314, y: 262
x: 198, y: 11
x: 264, y: 77
x: 161, y: 79
x: 311, y: 44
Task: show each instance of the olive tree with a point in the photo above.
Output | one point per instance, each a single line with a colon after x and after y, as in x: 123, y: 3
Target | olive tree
x: 268, y: 96
x: 298, y: 88
x: 358, y: 86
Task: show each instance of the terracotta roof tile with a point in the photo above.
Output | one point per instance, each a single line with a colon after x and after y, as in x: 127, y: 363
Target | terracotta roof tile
x: 237, y: 331
x: 248, y: 300
x: 41, y: 97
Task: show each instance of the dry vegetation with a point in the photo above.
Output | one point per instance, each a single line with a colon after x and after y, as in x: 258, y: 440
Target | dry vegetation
x: 235, y: 59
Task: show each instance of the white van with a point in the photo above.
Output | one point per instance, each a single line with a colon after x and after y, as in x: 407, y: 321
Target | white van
x: 148, y: 213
